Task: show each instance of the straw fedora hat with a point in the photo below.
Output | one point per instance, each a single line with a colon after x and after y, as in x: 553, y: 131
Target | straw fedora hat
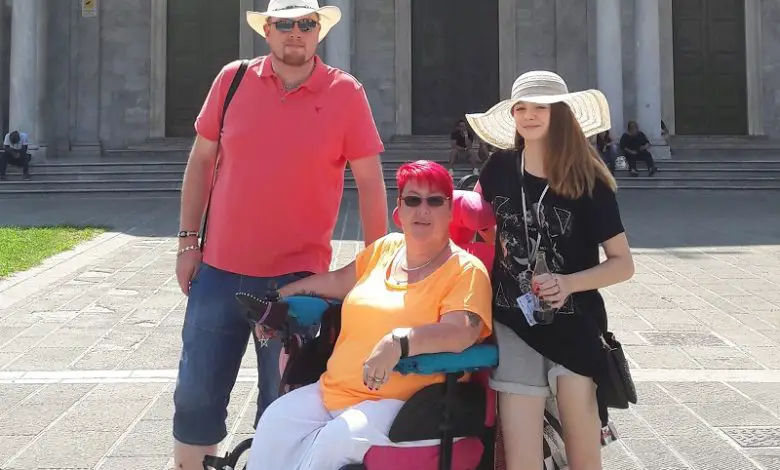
x: 497, y: 127
x: 329, y: 15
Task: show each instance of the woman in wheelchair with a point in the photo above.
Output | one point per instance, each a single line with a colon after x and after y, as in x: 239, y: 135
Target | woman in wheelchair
x: 404, y: 295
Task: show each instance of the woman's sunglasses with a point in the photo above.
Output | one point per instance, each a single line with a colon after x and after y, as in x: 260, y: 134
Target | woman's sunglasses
x: 285, y: 26
x: 432, y: 201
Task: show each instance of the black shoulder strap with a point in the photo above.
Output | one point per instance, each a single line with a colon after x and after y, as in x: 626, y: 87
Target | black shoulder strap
x: 231, y: 91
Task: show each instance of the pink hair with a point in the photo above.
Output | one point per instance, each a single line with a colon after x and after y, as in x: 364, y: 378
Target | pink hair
x: 425, y: 171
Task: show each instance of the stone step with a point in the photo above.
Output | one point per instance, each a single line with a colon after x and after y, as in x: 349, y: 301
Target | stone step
x: 662, y: 181
x: 108, y: 167
x: 93, y: 184
x: 391, y: 163
x: 103, y: 175
x: 714, y: 154
x: 171, y: 190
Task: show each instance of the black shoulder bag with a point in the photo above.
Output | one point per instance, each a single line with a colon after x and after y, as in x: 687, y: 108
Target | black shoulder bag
x: 231, y: 91
x: 619, y: 390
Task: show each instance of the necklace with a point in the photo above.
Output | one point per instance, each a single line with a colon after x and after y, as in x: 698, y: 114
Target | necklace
x: 417, y: 268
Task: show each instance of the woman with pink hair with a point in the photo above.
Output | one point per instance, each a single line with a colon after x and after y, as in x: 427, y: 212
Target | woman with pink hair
x: 406, y: 294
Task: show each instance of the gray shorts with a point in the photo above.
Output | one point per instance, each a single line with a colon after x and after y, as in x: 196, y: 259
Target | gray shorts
x: 521, y: 369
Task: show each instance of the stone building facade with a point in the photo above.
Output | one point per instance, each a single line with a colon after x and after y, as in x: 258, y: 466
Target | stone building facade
x: 82, y: 76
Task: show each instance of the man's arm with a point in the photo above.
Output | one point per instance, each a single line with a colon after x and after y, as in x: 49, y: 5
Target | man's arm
x: 372, y: 196
x: 196, y: 184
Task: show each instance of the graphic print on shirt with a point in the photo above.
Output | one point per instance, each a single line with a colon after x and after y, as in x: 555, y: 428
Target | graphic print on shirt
x: 553, y: 224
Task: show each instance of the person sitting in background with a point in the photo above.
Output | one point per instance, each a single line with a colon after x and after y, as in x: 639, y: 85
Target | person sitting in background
x: 461, y: 143
x: 608, y: 149
x: 406, y: 294
x: 635, y: 146
x: 15, y: 153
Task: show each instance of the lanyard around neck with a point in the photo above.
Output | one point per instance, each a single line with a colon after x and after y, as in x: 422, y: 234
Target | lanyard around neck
x: 531, y: 250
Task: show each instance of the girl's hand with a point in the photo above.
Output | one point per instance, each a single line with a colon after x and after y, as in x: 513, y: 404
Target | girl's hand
x: 553, y: 288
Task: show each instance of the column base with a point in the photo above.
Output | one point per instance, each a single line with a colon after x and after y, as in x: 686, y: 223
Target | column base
x: 661, y: 152
x: 39, y: 152
x: 87, y: 150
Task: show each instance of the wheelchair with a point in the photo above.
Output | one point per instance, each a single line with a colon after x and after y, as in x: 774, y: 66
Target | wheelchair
x: 460, y: 414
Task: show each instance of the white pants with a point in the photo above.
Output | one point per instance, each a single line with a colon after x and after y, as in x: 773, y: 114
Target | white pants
x: 296, y: 432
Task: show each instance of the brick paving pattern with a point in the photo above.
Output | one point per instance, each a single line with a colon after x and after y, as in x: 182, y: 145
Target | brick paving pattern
x: 89, y: 341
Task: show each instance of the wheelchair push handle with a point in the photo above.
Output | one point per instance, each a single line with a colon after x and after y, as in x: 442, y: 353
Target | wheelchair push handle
x: 268, y: 311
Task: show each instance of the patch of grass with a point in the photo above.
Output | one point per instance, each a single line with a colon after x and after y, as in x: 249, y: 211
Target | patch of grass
x: 22, y: 248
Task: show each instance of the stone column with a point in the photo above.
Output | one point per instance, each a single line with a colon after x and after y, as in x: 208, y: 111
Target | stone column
x: 28, y: 72
x: 609, y: 60
x: 648, y: 75
x: 338, y: 44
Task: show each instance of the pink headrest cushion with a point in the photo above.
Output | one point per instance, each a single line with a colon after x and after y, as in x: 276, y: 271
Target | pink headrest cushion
x: 471, y: 211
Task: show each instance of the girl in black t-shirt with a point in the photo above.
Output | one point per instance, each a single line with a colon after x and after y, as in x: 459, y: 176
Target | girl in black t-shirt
x: 554, y: 201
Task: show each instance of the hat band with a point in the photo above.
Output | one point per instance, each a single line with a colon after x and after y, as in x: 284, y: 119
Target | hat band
x: 294, y: 7
x: 537, y: 90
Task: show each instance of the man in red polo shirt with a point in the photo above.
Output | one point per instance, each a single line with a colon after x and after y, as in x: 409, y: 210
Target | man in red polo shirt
x: 289, y: 131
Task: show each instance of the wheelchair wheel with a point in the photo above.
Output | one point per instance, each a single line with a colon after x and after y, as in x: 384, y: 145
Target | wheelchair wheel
x: 232, y: 460
x: 467, y: 183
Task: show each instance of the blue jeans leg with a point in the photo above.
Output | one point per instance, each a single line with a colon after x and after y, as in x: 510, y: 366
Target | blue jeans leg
x: 214, y: 340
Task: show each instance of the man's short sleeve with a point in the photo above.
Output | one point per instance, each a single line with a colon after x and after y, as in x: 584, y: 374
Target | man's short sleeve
x: 23, y: 139
x: 7, y: 140
x: 207, y: 122
x: 361, y: 137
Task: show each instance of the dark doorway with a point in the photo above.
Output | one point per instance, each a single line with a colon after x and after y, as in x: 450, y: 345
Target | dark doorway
x: 710, y: 83
x: 454, y: 62
x: 203, y: 36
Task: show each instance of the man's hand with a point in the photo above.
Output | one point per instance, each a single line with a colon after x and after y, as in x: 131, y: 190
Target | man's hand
x: 187, y: 265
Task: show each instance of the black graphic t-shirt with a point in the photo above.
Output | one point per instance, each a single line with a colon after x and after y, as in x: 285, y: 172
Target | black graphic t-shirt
x: 569, y: 233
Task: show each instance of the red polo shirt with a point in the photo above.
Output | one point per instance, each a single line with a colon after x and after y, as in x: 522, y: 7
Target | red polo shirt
x: 281, y: 170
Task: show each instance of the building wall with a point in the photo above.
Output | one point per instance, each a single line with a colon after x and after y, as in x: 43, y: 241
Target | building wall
x: 770, y: 66
x: 98, y: 74
x: 99, y: 77
x: 373, y: 59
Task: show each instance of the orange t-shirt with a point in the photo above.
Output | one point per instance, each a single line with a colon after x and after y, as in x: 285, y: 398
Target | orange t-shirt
x: 281, y: 174
x: 376, y: 306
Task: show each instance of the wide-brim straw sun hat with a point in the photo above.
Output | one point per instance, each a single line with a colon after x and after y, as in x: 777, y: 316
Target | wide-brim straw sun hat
x: 497, y: 126
x: 329, y: 15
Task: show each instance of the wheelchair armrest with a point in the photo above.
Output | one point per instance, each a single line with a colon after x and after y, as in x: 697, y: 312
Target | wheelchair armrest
x: 474, y: 358
x: 274, y: 314
x: 308, y: 310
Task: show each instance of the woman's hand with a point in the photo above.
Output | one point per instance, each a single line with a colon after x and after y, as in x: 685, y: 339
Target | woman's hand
x: 553, y: 288
x: 380, y: 363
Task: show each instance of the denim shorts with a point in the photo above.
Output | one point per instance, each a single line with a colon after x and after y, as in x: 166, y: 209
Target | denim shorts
x: 214, y: 340
x: 521, y: 369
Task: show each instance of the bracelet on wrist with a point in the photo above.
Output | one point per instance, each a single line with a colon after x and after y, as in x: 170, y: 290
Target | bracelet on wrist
x: 187, y: 234
x: 186, y: 249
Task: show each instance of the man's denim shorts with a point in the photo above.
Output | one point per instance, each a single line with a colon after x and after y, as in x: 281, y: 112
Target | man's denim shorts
x: 214, y: 339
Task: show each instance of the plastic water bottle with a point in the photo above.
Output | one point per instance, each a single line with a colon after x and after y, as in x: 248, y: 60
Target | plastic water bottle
x: 544, y: 313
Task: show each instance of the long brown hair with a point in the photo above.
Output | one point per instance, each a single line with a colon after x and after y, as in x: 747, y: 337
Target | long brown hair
x: 571, y: 163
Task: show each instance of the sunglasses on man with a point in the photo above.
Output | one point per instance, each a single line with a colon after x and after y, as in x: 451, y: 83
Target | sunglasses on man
x: 432, y: 201
x: 305, y: 25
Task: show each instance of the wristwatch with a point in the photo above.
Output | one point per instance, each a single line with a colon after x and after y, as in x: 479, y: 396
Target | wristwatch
x: 402, y: 336
x: 187, y: 233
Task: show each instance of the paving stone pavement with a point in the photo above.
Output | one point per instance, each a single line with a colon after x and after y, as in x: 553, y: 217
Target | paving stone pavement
x: 89, y: 341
